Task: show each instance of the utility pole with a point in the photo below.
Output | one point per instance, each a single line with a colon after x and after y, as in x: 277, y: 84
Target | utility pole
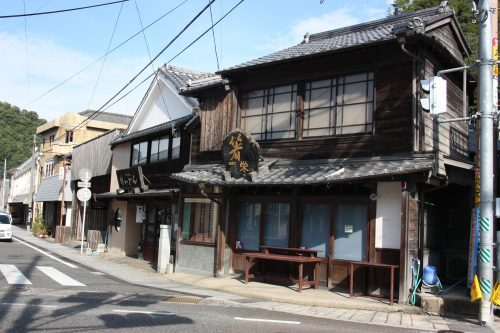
x: 486, y: 223
x: 3, y: 183
x: 32, y: 183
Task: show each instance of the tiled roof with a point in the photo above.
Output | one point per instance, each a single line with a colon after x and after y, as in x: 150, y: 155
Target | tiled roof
x: 203, y: 83
x: 107, y: 116
x: 182, y: 77
x: 152, y: 130
x: 50, y: 189
x: 311, y: 172
x: 353, y: 36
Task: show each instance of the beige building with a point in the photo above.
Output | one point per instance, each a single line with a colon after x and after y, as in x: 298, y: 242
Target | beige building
x: 58, y: 137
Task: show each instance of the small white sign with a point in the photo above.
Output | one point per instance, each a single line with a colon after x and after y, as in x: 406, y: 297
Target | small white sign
x: 84, y: 184
x: 83, y: 194
x: 139, y: 214
x: 85, y: 174
x: 348, y: 228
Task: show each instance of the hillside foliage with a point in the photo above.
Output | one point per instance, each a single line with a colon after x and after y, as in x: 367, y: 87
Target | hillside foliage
x: 16, y: 134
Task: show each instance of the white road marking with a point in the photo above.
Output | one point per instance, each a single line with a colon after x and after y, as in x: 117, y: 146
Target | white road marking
x: 269, y: 320
x: 161, y: 313
x: 43, y: 252
x: 13, y: 275
x: 33, y: 305
x: 60, y: 277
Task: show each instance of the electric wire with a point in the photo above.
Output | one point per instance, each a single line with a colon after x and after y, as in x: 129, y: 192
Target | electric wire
x: 27, y: 57
x: 62, y: 10
x: 20, y: 24
x: 178, y: 54
x: 152, y: 65
x: 105, y: 57
x: 111, y: 51
x: 213, y: 37
x: 96, y: 112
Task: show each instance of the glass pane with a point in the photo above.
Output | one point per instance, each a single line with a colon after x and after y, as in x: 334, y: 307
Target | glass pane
x: 319, y: 84
x: 316, y: 228
x: 318, y: 118
x: 281, y: 122
x: 135, y: 154
x: 276, y: 224
x: 354, y: 115
x: 176, y: 147
x: 143, y: 152
x: 350, y: 232
x: 320, y: 98
x: 252, y: 125
x: 355, y: 78
x: 355, y: 93
x: 163, y: 149
x: 154, y: 151
x: 254, y: 106
x: 283, y: 102
x: 248, y: 226
x: 282, y: 89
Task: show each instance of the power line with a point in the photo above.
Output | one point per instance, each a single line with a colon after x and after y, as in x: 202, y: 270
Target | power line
x: 107, y: 50
x: 96, y: 112
x: 111, y: 51
x: 27, y: 57
x: 62, y: 10
x: 213, y: 37
x: 152, y: 66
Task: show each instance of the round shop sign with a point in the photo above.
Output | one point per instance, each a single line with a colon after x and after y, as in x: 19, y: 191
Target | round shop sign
x: 83, y: 194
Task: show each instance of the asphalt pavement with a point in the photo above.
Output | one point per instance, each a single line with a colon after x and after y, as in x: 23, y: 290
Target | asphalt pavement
x: 231, y: 291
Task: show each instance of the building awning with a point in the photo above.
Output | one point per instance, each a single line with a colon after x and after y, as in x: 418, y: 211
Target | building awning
x: 310, y: 172
x: 168, y: 192
x: 50, y: 189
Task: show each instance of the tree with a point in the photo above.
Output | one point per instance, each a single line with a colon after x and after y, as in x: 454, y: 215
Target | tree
x: 16, y: 133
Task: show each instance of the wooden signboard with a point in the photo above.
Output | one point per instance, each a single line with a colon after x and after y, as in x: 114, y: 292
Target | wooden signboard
x: 241, y: 154
x: 128, y: 179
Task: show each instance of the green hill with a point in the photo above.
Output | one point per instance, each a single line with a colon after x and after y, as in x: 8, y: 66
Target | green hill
x: 16, y: 134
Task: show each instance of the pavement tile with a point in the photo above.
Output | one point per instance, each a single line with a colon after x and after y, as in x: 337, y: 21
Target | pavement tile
x: 394, y: 318
x: 365, y: 316
x: 380, y: 317
x: 348, y: 314
x: 441, y: 327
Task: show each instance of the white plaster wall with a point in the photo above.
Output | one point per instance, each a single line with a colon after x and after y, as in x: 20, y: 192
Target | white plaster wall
x: 388, y: 217
x: 121, y: 160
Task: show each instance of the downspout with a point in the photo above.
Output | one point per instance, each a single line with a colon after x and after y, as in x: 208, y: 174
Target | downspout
x: 404, y: 286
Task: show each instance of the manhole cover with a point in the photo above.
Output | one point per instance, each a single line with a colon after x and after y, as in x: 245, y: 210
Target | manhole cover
x: 183, y: 299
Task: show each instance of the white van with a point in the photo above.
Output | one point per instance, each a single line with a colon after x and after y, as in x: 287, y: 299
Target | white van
x: 5, y: 226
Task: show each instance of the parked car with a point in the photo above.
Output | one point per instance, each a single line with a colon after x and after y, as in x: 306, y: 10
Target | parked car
x: 5, y: 226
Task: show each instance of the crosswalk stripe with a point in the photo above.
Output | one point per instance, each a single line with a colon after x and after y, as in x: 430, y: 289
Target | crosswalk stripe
x: 59, y: 277
x: 13, y: 275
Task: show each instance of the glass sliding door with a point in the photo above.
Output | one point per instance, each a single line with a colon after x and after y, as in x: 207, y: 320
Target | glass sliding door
x: 350, y: 231
x: 248, y: 237
x: 316, y: 228
x: 276, y: 224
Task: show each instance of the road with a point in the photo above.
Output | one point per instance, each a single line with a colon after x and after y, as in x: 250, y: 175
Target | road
x: 43, y: 292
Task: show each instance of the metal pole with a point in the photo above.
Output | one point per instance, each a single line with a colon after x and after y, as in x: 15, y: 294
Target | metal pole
x: 32, y: 182
x: 62, y: 202
x: 3, y: 183
x: 485, y: 267
x: 83, y: 224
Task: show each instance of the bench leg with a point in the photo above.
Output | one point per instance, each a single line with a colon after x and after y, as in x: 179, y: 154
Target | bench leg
x: 392, y: 284
x: 351, y: 279
x: 316, y: 275
x: 247, y: 269
x: 301, y: 273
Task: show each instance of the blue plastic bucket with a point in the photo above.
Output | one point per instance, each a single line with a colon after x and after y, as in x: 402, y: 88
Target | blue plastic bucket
x: 429, y: 276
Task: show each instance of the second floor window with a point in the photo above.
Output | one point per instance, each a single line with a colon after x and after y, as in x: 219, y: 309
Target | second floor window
x: 140, y: 153
x: 269, y: 114
x: 49, y: 168
x: 69, y: 136
x: 51, y: 140
x: 340, y: 105
x: 159, y: 149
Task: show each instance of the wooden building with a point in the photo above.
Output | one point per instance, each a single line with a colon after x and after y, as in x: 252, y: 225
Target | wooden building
x: 348, y: 163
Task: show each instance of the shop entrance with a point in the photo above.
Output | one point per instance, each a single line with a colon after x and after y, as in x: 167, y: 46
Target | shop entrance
x: 155, y: 215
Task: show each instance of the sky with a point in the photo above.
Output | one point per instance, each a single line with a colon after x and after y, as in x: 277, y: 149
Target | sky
x: 58, y: 63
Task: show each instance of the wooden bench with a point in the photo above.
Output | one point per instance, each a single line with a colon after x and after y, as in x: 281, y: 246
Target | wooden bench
x: 352, y: 264
x: 300, y: 260
x: 290, y: 251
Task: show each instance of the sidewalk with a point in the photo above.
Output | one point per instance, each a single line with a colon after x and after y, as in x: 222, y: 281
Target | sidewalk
x: 231, y: 291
